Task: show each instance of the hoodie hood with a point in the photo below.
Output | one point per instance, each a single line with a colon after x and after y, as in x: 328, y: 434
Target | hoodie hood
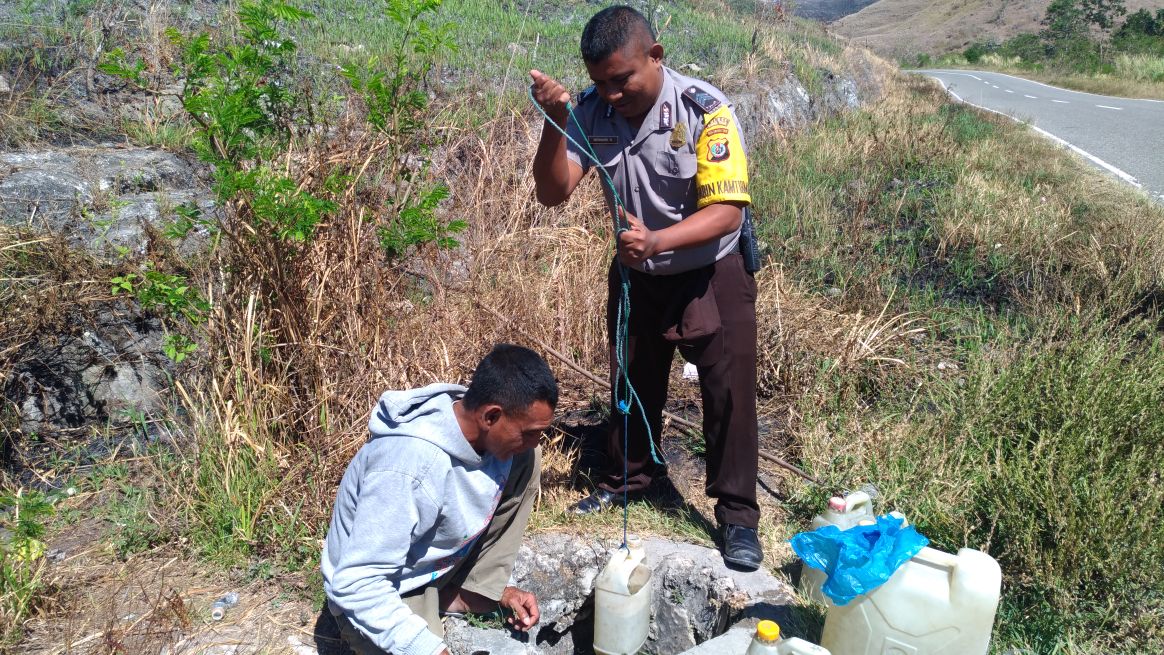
x: 425, y: 413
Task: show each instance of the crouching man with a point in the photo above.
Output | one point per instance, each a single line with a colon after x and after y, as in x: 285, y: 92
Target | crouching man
x: 431, y: 511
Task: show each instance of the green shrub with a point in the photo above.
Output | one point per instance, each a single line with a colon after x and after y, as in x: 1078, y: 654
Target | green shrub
x: 976, y: 51
x: 22, y: 585
x: 1028, y: 47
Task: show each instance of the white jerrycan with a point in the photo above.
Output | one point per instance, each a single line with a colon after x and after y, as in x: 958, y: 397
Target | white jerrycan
x: 844, y: 513
x: 622, y: 601
x: 935, y: 604
x: 767, y: 641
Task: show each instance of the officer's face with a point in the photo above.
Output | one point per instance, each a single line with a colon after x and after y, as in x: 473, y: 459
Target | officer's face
x: 630, y: 79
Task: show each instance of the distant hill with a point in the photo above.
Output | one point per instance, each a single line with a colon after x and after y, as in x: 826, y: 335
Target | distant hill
x: 827, y: 11
x: 896, y: 28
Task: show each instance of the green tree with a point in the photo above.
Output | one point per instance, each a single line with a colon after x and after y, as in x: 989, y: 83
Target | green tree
x: 1102, y: 13
x: 1068, y: 19
x: 1064, y: 20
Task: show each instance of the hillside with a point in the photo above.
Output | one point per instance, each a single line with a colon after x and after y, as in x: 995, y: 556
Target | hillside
x: 827, y: 11
x: 897, y: 28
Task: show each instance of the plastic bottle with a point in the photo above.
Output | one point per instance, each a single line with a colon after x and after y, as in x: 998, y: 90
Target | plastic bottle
x: 936, y: 603
x: 767, y: 641
x: 622, y: 601
x: 218, y: 608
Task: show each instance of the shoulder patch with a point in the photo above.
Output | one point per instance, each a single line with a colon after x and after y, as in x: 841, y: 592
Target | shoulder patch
x: 702, y: 99
x: 586, y: 94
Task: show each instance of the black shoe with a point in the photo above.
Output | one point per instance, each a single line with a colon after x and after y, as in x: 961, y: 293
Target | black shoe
x: 741, y: 548
x: 597, y: 501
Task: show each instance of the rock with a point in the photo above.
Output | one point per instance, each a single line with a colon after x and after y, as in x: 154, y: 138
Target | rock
x: 107, y: 367
x: 695, y: 597
x: 789, y: 106
x: 4, y: 88
x: 105, y: 200
x: 470, y: 640
x: 124, y: 229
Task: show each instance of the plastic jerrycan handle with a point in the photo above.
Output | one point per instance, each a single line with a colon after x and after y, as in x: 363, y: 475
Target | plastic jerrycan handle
x: 858, y: 499
x: 977, y: 571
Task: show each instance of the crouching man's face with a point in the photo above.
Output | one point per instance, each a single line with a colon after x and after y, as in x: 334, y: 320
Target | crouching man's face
x: 505, y: 435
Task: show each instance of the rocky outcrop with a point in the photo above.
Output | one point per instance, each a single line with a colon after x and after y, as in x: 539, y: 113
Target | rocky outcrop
x: 108, y: 367
x: 765, y: 109
x: 104, y: 200
x: 695, y: 597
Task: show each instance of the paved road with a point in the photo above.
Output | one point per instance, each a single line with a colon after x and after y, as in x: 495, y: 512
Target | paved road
x: 1122, y: 136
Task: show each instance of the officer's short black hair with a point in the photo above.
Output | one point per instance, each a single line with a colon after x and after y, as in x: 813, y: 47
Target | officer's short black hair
x: 513, y: 377
x: 611, y: 29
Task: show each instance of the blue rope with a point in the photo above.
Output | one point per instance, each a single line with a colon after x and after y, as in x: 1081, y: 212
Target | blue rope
x: 624, y: 391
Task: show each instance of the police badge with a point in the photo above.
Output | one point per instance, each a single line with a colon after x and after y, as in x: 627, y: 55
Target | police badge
x: 679, y: 135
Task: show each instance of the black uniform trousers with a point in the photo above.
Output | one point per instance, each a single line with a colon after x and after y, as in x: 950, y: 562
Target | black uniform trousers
x: 709, y: 314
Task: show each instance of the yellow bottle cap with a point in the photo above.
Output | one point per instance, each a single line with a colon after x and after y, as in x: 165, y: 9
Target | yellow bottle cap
x: 767, y: 631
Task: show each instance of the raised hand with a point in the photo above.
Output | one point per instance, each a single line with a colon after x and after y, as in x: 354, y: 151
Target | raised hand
x: 550, y: 94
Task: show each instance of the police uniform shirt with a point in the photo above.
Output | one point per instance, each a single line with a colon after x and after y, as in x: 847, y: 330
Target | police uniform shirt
x: 687, y: 154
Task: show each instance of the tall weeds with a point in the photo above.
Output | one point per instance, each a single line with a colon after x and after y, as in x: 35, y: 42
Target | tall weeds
x: 1015, y: 415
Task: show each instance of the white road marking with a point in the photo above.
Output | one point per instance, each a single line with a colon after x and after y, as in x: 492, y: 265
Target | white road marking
x: 1108, y: 107
x: 1009, y: 91
x: 1062, y: 102
x: 974, y: 76
x: 1057, y: 88
x: 1074, y: 148
x: 1031, y: 97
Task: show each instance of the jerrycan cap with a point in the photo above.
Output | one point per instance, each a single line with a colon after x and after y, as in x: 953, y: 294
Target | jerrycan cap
x: 837, y: 504
x: 767, y: 631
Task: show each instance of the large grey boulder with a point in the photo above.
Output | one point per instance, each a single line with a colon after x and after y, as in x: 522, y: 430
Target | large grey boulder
x: 695, y: 597
x: 105, y: 200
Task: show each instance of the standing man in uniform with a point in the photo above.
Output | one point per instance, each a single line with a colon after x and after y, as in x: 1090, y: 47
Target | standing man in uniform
x: 674, y: 150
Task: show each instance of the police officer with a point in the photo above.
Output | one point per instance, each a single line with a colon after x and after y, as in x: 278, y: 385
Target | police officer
x: 675, y: 153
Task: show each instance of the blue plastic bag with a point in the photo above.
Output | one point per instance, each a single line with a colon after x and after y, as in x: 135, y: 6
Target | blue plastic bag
x: 860, y: 559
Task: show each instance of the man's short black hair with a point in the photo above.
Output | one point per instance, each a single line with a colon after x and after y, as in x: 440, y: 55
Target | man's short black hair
x: 513, y: 377
x: 611, y: 29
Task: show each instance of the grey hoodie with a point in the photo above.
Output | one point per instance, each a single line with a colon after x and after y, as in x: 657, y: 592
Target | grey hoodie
x: 411, y: 504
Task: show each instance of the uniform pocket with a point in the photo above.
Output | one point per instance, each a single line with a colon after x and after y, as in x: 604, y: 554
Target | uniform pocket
x: 674, y: 175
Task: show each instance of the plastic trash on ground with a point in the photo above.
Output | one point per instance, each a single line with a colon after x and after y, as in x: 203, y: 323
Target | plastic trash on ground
x: 219, y: 607
x: 861, y: 558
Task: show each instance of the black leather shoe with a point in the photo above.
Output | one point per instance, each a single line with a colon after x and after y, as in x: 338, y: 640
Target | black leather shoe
x: 741, y: 548
x: 597, y: 501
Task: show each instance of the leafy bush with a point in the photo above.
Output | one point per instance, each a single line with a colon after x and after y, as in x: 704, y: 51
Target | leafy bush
x: 1028, y: 47
x: 22, y: 587
x: 976, y: 51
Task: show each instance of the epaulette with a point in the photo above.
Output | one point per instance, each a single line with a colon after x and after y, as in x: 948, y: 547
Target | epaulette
x: 586, y: 94
x: 702, y: 99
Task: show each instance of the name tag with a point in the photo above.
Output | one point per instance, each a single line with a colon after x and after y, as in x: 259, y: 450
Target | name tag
x: 604, y: 140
